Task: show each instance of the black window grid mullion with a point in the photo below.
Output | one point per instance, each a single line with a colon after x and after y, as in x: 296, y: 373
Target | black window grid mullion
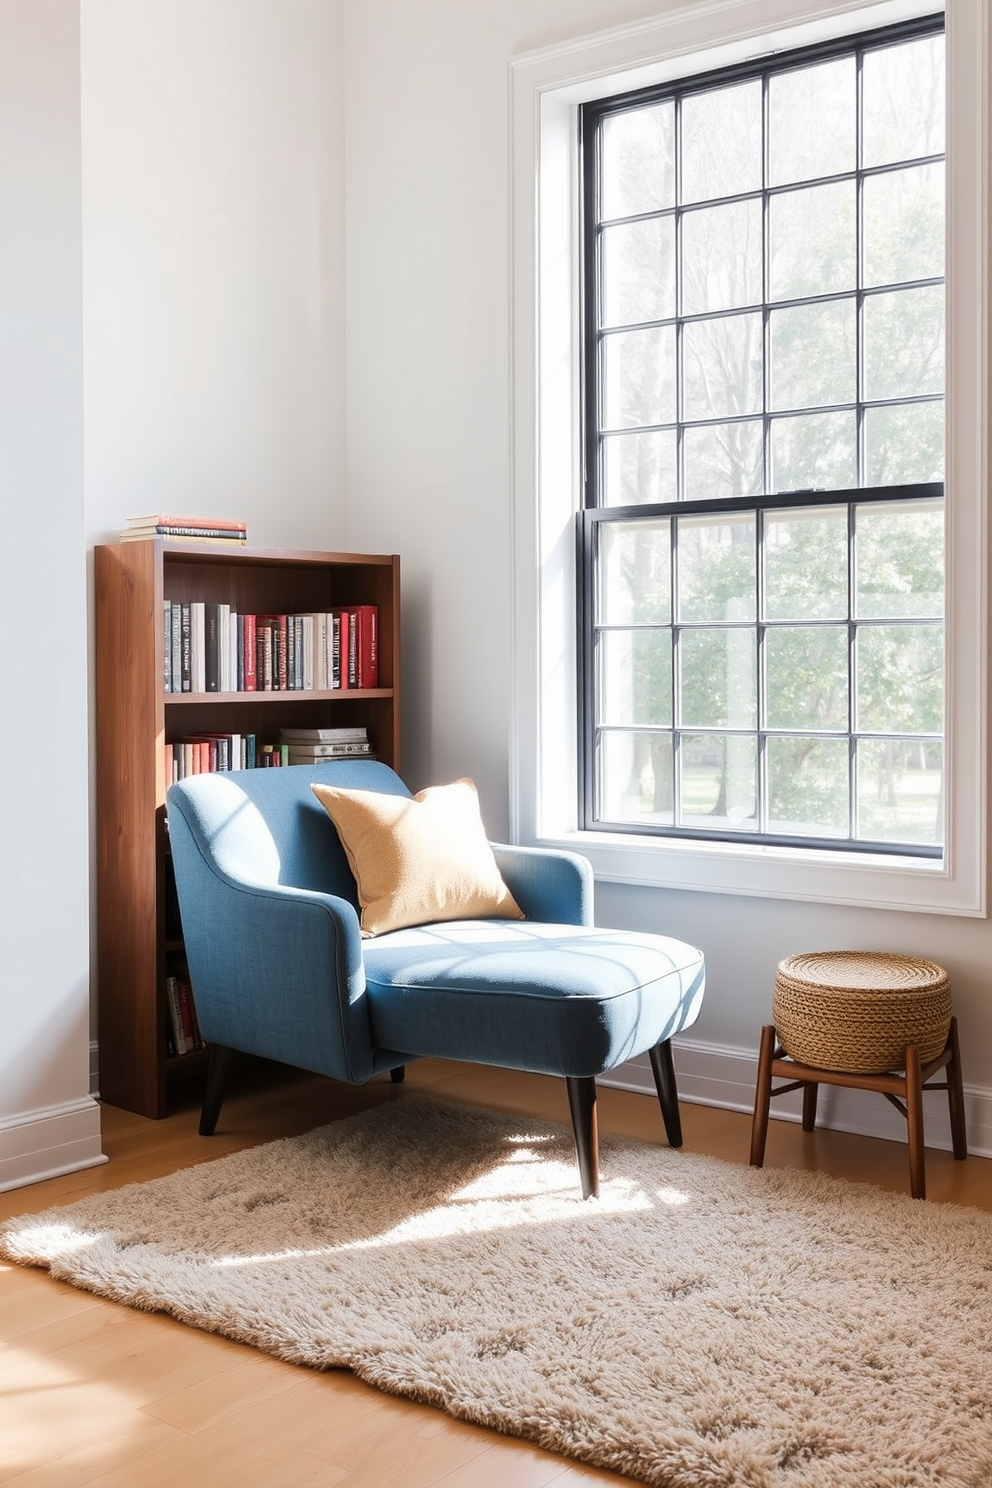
x: 852, y: 674
x: 859, y: 269
x: 679, y: 311
x: 761, y: 701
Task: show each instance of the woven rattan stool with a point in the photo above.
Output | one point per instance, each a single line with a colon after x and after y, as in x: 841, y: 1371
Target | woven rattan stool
x: 865, y: 1019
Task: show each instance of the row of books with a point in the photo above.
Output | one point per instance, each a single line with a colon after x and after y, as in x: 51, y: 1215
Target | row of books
x: 203, y: 754
x: 182, y: 1031
x: 185, y: 529
x: 210, y: 647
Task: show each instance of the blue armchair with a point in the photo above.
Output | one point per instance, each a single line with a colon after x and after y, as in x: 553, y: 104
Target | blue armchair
x: 279, y: 967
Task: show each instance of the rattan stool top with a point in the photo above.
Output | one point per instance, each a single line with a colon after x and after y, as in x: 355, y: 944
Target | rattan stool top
x: 859, y: 1010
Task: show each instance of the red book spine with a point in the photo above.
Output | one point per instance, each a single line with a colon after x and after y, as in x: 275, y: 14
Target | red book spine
x: 352, y: 648
x: 280, y: 632
x: 249, y: 656
x: 368, y: 645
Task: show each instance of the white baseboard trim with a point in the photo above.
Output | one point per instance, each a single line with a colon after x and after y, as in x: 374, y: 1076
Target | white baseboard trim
x: 45, y: 1144
x: 710, y: 1075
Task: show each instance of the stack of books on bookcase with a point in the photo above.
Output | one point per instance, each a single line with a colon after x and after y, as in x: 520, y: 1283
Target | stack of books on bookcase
x: 309, y: 746
x: 211, y: 648
x: 205, y: 753
x: 182, y: 1031
x: 185, y: 529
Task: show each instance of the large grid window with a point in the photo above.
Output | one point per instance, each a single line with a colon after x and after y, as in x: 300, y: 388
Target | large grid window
x: 762, y: 537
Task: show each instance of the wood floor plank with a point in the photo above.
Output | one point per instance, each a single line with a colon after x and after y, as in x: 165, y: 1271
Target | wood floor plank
x: 507, y: 1463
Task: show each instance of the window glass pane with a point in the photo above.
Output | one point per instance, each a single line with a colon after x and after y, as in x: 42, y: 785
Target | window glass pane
x: 813, y: 241
x: 900, y: 791
x: 636, y: 777
x: 806, y: 677
x: 814, y: 452
x: 721, y: 257
x: 899, y: 679
x: 904, y: 443
x: 721, y: 365
x: 904, y: 343
x: 635, y: 677
x: 805, y: 556
x: 904, y: 101
x: 899, y: 561
x: 904, y: 225
x: 634, y: 573
x: 721, y: 142
x: 722, y: 460
x: 813, y: 355
x: 638, y: 161
x: 639, y: 468
x: 639, y: 377
x: 717, y: 678
x: 808, y: 786
x: 638, y: 271
x: 717, y: 567
x: 812, y: 122
x: 717, y: 777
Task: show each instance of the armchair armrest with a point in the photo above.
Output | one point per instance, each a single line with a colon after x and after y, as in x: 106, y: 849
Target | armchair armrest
x: 550, y: 885
x: 284, y: 977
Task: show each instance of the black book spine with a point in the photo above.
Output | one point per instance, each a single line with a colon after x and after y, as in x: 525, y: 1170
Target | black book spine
x: 211, y: 648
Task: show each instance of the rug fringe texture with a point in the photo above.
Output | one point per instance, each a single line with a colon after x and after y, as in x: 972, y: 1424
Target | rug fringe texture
x: 700, y: 1325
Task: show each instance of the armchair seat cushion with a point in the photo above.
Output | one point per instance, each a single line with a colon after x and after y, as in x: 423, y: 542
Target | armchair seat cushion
x: 552, y: 999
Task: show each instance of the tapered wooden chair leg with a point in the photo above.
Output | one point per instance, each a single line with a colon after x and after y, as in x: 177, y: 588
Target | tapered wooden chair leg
x: 762, y: 1096
x: 810, y: 1091
x: 398, y: 1074
x: 582, y: 1102
x: 663, y: 1069
x: 914, y: 1123
x: 955, y: 1094
x: 218, y: 1066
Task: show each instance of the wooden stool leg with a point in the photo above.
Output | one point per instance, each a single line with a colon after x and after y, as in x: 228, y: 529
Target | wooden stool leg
x: 810, y: 1092
x: 762, y: 1096
x: 914, y: 1122
x: 955, y: 1094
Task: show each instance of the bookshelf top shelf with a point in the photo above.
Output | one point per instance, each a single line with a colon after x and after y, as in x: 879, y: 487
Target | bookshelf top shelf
x: 207, y: 552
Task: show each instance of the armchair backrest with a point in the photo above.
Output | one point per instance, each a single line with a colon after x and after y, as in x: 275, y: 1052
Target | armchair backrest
x: 267, y: 826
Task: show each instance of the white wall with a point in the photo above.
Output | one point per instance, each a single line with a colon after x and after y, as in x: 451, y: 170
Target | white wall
x: 427, y: 145
x: 429, y: 475
x: 213, y: 264
x: 213, y: 268
x: 48, y: 1123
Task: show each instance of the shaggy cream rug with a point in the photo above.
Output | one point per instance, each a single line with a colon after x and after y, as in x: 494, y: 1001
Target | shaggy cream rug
x: 700, y: 1325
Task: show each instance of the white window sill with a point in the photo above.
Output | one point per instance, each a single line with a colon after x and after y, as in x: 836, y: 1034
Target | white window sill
x: 872, y: 880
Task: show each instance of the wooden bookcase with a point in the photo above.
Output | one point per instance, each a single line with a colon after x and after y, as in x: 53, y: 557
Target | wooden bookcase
x: 136, y: 717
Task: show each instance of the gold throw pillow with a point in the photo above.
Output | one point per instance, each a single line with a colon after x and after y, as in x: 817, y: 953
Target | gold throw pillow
x: 418, y: 860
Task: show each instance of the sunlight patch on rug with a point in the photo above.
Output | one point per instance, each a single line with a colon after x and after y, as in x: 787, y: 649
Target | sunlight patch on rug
x: 700, y: 1325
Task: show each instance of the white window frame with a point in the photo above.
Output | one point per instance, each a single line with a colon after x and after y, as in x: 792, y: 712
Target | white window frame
x: 547, y: 88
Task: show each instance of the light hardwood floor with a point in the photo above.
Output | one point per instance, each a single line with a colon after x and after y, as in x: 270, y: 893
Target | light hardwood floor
x: 100, y: 1395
